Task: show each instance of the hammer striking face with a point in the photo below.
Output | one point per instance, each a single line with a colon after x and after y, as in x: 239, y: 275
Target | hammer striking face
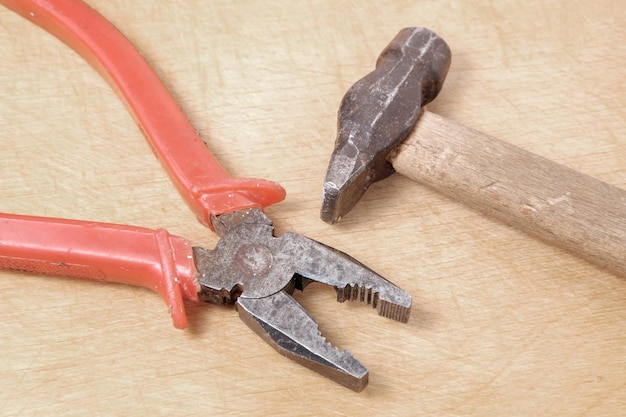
x: 378, y: 112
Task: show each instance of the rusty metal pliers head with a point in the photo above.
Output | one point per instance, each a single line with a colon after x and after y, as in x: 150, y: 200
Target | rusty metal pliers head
x: 259, y: 272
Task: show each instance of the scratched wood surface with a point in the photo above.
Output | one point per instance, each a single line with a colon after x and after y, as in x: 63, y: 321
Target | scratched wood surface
x: 502, y: 324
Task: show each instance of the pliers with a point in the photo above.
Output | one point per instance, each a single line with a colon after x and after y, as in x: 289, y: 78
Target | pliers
x: 249, y: 266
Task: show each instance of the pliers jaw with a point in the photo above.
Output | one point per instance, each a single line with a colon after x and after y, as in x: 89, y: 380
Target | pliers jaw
x: 259, y: 272
x: 290, y: 330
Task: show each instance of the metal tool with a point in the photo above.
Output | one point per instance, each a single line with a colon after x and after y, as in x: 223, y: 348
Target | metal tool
x: 383, y: 127
x: 249, y: 267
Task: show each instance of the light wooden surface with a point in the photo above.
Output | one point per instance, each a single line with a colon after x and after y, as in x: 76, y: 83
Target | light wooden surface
x: 502, y: 324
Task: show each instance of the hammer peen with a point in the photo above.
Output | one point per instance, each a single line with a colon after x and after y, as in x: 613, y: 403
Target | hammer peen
x: 383, y: 127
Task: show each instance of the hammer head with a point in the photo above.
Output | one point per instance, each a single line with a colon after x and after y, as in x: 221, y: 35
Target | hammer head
x: 378, y: 112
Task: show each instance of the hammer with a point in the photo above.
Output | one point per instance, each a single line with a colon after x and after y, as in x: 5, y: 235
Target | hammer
x: 382, y: 128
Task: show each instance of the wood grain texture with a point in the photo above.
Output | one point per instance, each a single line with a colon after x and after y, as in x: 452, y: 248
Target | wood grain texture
x: 502, y: 324
x: 559, y: 205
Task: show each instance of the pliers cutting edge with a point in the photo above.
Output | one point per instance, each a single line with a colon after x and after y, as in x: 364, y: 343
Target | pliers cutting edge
x: 249, y: 266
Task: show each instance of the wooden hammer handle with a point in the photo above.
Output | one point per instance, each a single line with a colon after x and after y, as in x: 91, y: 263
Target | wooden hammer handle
x: 544, y: 199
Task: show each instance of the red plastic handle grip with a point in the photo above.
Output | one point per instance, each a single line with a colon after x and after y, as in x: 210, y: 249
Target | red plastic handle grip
x: 138, y: 256
x: 199, y: 178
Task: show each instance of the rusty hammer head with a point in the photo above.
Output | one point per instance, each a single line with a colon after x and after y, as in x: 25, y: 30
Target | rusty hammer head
x: 378, y: 112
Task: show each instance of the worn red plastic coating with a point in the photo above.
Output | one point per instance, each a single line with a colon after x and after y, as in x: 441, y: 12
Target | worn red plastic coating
x: 150, y: 258
x: 206, y: 187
